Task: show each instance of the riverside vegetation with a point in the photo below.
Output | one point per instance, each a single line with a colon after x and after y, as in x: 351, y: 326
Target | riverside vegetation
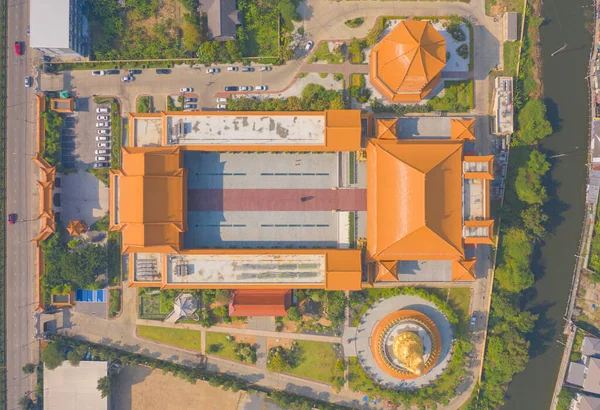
x: 523, y: 222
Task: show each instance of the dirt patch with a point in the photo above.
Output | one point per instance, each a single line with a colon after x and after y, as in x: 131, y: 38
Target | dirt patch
x: 588, y: 297
x: 167, y: 10
x: 272, y: 342
x: 324, y: 322
x: 236, y: 325
x: 290, y: 327
x: 500, y: 7
x: 142, y: 388
x: 251, y: 340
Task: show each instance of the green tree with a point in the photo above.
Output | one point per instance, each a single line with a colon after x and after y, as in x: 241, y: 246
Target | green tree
x: 246, y: 353
x: 208, y: 52
x: 287, y: 9
x: 105, y: 385
x: 25, y: 403
x: 233, y: 49
x: 29, y: 368
x: 514, y: 273
x: 278, y: 363
x: 192, y: 37
x: 74, y: 243
x: 533, y: 125
x: 534, y: 221
x: 76, y: 356
x: 294, y: 314
x: 53, y: 355
x: 528, y: 183
x: 206, y: 318
x: 337, y: 383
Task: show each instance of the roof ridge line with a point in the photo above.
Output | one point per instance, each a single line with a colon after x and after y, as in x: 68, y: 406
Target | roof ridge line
x: 404, y: 162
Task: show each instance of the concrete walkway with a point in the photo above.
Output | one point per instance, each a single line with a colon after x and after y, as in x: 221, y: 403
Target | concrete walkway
x: 346, y: 69
x: 237, y: 331
x: 261, y: 352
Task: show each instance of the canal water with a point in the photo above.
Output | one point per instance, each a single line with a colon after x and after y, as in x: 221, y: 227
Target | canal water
x: 567, y: 100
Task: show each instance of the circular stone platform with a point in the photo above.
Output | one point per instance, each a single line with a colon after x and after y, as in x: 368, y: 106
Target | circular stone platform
x: 383, y: 321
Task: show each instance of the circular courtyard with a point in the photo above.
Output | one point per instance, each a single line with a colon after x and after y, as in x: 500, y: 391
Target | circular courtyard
x: 404, y: 342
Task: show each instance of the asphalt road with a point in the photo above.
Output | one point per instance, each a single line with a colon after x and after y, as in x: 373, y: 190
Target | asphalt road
x: 22, y: 198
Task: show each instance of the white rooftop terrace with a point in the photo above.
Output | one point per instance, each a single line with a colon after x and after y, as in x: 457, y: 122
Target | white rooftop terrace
x: 503, y: 106
x: 246, y: 269
x: 147, y: 267
x: 147, y: 132
x: 246, y: 129
x: 424, y: 127
x: 475, y: 206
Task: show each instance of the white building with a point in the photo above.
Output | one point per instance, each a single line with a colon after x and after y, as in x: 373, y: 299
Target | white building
x: 58, y: 28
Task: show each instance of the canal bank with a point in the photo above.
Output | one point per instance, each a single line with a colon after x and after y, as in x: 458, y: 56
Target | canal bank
x: 566, y: 96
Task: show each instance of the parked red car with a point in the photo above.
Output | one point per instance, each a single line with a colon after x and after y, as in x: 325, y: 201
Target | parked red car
x: 18, y: 49
x: 12, y: 218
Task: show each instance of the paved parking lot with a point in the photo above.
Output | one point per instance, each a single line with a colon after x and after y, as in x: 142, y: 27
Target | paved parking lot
x: 84, y: 85
x: 78, y: 137
x: 83, y: 197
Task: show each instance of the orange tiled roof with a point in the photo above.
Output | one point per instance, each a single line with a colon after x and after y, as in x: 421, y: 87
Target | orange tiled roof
x: 46, y: 187
x: 387, y: 128
x: 387, y: 271
x: 462, y: 129
x: 76, y: 228
x: 152, y: 190
x: 344, y: 269
x: 487, y: 174
x: 486, y: 224
x: 407, y: 63
x: 260, y: 302
x: 463, y: 270
x: 414, y: 200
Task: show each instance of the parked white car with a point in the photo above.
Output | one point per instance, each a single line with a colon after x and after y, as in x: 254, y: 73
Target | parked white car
x: 221, y: 100
x: 102, y: 152
x: 98, y: 72
x: 213, y: 70
x: 221, y: 106
x: 246, y: 88
x: 234, y: 68
x: 309, y: 45
x: 102, y: 118
x: 260, y: 88
x: 103, y: 145
x: 102, y: 158
x: 102, y: 124
x: 186, y: 90
x: 102, y: 138
x: 103, y: 132
x: 102, y: 110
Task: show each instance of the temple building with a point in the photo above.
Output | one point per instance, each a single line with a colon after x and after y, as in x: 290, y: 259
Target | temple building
x: 334, y: 200
x: 406, y: 65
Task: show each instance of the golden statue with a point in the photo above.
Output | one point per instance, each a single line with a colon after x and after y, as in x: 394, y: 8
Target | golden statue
x: 408, y: 348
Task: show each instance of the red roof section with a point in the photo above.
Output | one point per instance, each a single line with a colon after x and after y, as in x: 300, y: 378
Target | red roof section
x: 260, y: 302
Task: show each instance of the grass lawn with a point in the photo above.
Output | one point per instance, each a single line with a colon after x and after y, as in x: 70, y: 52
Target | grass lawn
x: 114, y: 306
x: 353, y: 368
x: 511, y: 55
x: 226, y: 347
x: 189, y: 339
x: 322, y: 53
x: 458, y: 97
x: 317, y: 361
